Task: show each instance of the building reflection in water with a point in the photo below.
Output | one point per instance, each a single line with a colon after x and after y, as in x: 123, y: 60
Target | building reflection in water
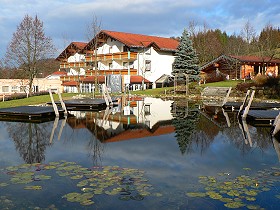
x: 138, y: 118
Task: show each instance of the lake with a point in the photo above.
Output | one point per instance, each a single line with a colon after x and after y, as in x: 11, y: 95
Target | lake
x: 152, y: 154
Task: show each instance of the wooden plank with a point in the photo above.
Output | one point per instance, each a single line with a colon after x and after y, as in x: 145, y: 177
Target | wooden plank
x: 263, y: 114
x: 215, y: 91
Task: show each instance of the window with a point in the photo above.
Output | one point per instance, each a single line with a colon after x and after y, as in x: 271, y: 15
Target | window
x: 148, y: 51
x: 125, y: 48
x: 22, y: 88
x: 36, y: 88
x: 148, y: 65
x: 14, y: 89
x: 125, y: 65
x: 5, y: 89
x: 110, y: 65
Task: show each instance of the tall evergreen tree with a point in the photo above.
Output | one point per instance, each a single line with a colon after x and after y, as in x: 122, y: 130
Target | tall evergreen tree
x: 186, y: 60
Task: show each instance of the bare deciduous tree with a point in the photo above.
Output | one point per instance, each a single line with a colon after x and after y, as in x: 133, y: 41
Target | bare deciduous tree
x: 248, y: 33
x: 93, y: 30
x: 29, y: 45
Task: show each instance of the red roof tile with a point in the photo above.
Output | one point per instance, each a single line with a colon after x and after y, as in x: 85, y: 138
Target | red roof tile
x: 139, y: 40
x: 79, y: 45
x: 136, y: 79
x: 251, y: 58
x: 70, y: 83
x: 141, y: 133
x: 59, y: 73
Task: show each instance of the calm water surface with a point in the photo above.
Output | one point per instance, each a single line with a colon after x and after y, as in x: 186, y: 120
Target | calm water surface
x: 162, y: 155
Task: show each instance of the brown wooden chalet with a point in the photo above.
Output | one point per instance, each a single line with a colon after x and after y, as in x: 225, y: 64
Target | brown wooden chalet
x: 240, y: 67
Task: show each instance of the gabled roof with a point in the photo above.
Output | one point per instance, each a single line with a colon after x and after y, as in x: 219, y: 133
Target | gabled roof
x: 139, y: 40
x: 241, y: 59
x: 59, y: 73
x: 256, y: 59
x: 136, y: 79
x: 71, y: 49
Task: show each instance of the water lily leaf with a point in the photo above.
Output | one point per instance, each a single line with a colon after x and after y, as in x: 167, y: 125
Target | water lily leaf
x: 265, y: 189
x: 87, y: 189
x: 234, y: 205
x: 3, y: 184
x: 196, y: 194
x: 277, y: 196
x: 86, y: 202
x: 76, y: 177
x: 247, y: 169
x: 252, y: 207
x: 44, y: 177
x: 250, y: 198
x: 251, y: 192
x: 49, y: 167
x: 35, y: 187
x: 125, y: 198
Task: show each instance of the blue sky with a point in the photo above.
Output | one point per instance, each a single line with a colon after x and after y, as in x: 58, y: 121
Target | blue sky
x: 67, y: 20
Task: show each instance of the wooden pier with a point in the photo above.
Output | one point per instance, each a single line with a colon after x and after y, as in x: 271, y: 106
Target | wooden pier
x: 234, y: 106
x: 58, y: 109
x: 95, y: 104
x: 268, y: 116
x: 262, y: 117
x: 29, y: 114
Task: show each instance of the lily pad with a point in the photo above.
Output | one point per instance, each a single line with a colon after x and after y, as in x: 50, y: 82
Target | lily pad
x: 35, y: 187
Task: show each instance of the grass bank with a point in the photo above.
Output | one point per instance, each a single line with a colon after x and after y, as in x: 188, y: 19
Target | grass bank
x: 158, y: 92
x: 34, y: 100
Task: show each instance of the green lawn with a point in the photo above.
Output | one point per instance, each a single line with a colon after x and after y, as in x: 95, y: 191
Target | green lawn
x: 228, y: 83
x: 150, y: 92
x: 34, y: 100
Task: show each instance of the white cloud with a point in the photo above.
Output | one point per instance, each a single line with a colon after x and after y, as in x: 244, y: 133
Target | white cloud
x: 158, y: 17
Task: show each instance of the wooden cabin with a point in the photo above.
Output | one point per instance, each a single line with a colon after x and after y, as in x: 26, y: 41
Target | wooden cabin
x: 240, y: 67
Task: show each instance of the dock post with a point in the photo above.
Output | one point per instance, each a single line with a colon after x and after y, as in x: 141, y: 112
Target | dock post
x: 276, y: 125
x: 106, y: 95
x: 243, y: 104
x: 227, y: 96
x: 53, y: 103
x: 245, y: 113
x: 62, y: 102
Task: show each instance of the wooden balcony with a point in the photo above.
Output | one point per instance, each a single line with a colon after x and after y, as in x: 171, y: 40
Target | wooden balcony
x: 112, y: 71
x: 124, y: 56
x: 73, y: 64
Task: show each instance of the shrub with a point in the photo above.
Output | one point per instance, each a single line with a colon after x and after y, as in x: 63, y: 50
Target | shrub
x: 244, y: 86
x: 260, y: 80
x: 273, y: 82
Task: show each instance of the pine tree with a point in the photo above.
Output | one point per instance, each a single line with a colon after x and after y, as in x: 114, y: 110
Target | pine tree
x: 186, y: 60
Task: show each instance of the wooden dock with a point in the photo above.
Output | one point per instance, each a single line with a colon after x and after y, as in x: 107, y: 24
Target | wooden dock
x: 262, y: 117
x: 234, y: 106
x: 29, y: 113
x: 84, y: 104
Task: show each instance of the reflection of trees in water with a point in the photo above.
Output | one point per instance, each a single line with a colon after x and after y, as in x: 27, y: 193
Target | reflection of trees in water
x: 30, y: 140
x: 185, y: 121
x: 195, y: 130
x: 261, y: 137
x: 98, y: 134
x: 95, y: 147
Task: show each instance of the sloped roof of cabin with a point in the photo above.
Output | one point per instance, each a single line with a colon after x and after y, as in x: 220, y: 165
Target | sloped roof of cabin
x: 71, y: 49
x: 139, y: 40
x: 241, y: 59
x: 256, y: 59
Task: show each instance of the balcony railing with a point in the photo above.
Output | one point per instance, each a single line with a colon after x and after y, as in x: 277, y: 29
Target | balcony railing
x: 73, y: 64
x: 125, y: 56
x: 112, y: 71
